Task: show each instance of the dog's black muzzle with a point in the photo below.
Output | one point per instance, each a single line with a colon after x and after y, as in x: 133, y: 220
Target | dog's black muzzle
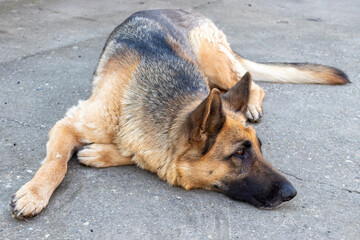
x: 264, y: 189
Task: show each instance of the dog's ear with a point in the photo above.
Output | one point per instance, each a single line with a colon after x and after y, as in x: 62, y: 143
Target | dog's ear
x: 238, y: 96
x: 208, y: 118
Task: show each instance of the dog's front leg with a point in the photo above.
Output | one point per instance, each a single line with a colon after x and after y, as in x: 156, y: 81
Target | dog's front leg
x: 31, y: 198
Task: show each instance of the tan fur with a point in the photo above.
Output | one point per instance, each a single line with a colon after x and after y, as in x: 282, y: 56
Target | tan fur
x: 212, y: 53
x: 101, y: 124
x: 219, y: 71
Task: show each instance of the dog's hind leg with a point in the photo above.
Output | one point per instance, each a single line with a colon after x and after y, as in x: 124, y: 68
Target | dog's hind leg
x: 31, y: 198
x: 221, y: 65
x: 102, y: 155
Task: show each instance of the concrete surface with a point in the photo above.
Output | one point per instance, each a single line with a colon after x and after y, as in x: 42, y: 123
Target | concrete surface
x: 48, y: 52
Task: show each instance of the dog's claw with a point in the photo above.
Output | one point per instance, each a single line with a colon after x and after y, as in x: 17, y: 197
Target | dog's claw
x: 26, y: 203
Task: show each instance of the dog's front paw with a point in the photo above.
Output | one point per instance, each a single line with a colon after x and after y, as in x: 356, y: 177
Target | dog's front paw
x: 254, y: 112
x: 27, y: 202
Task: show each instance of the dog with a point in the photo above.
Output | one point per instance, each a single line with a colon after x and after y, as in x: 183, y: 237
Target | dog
x: 172, y: 97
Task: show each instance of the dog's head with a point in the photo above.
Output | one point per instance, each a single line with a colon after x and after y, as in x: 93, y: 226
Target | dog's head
x: 224, y: 154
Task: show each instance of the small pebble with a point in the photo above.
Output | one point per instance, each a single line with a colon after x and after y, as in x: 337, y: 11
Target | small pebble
x: 314, y: 19
x: 282, y: 21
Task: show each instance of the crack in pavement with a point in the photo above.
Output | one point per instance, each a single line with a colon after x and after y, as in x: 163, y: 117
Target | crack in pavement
x: 322, y: 183
x: 24, y: 124
x: 49, y: 50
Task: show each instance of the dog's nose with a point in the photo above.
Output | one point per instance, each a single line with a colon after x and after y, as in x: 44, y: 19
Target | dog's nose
x: 287, y: 192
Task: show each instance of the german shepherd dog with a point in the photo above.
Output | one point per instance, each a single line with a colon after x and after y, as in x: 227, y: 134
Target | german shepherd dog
x: 172, y: 97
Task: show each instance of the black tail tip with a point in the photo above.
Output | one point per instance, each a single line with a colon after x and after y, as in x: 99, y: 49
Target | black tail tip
x: 342, y: 77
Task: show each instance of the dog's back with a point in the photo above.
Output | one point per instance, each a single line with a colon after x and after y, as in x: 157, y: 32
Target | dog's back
x: 150, y: 30
x: 163, y: 79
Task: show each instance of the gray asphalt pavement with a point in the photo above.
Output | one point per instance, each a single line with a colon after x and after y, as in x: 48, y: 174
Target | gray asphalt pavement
x: 311, y: 133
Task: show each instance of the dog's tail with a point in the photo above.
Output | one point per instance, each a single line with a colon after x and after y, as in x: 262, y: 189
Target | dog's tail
x: 295, y: 72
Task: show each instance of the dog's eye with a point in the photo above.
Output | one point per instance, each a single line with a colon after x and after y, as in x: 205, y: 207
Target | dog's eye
x: 240, y: 153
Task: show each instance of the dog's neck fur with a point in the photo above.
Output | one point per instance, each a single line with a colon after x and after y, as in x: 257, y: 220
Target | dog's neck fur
x: 160, y: 149
x: 180, y: 137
